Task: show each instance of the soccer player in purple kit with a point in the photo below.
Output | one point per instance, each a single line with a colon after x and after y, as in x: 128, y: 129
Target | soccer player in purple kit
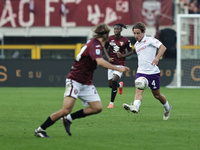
x: 146, y: 48
x: 79, y: 83
x: 115, y: 50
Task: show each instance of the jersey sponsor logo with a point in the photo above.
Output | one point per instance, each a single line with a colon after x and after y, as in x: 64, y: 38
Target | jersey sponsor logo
x: 141, y: 49
x: 116, y: 49
x: 97, y: 51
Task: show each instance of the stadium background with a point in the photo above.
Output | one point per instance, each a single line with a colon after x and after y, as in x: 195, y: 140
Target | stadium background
x: 40, y: 38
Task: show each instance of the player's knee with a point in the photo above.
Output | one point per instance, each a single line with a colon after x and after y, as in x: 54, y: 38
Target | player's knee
x: 98, y: 109
x: 65, y: 112
x: 114, y: 84
x: 157, y: 96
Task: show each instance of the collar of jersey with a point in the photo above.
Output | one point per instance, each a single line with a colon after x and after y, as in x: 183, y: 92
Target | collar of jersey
x: 142, y: 39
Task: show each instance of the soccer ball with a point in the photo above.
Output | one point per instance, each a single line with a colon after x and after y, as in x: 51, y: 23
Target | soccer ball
x: 141, y: 83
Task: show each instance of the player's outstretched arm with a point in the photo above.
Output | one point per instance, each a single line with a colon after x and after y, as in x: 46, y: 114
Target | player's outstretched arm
x: 103, y: 63
x: 162, y: 50
x: 119, y: 55
x: 108, y: 57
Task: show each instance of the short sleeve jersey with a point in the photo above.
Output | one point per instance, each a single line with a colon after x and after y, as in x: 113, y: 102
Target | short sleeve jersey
x: 123, y: 44
x: 146, y: 51
x: 85, y: 63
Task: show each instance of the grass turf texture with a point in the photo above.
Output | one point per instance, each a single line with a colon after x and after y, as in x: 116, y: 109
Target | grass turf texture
x: 24, y: 109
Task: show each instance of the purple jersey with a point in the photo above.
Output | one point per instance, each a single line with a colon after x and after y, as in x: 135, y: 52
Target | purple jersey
x: 85, y: 64
x: 118, y: 45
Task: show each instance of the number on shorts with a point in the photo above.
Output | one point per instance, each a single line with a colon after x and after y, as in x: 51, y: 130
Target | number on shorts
x: 95, y: 91
x: 153, y: 83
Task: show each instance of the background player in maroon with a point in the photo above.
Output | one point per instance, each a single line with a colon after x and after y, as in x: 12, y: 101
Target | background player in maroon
x: 115, y: 50
x: 79, y: 83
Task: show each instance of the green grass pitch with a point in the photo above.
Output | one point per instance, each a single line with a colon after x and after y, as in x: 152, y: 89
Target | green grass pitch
x: 22, y: 110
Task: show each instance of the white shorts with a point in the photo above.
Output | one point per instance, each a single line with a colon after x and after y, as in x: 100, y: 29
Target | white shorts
x: 112, y: 72
x: 86, y: 93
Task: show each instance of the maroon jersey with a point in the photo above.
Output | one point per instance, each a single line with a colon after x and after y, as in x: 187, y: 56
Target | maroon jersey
x: 85, y: 63
x: 118, y: 45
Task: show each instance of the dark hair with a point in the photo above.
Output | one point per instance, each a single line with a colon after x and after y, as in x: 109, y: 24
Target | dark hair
x: 101, y: 31
x: 139, y: 25
x: 121, y: 25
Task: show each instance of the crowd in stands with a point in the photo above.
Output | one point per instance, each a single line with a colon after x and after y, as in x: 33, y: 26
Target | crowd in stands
x: 192, y: 6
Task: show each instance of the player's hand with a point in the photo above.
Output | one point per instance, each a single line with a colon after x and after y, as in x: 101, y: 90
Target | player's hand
x: 124, y: 69
x: 111, y: 60
x: 155, y: 62
x: 119, y: 55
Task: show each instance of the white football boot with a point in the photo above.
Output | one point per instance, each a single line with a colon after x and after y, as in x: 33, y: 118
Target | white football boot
x: 167, y: 113
x: 130, y: 108
x: 41, y: 133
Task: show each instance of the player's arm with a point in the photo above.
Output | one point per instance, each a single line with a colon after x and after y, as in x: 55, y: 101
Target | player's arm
x: 162, y: 50
x: 106, y: 47
x: 119, y: 55
x: 101, y: 62
x: 109, y: 58
x: 106, y: 52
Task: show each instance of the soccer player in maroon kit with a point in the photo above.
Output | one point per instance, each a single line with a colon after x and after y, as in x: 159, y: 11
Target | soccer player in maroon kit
x: 79, y: 83
x: 115, y: 50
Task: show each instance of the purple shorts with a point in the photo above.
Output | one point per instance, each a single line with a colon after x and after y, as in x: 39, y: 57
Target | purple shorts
x: 154, y: 80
